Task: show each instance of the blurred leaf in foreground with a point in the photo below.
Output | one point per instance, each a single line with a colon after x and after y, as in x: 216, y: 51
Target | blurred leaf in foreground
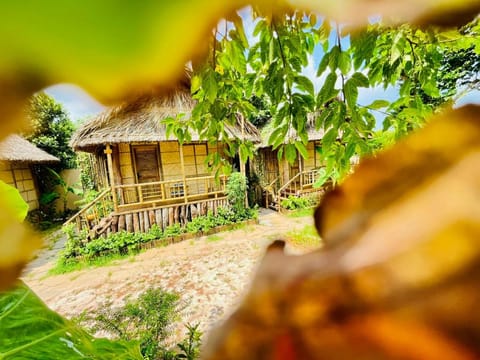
x: 113, y: 49
x: 399, y: 277
x: 29, y: 330
x: 17, y: 241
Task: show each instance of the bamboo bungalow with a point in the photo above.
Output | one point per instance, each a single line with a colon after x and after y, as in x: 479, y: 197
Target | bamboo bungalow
x: 154, y: 179
x: 280, y: 179
x: 17, y: 156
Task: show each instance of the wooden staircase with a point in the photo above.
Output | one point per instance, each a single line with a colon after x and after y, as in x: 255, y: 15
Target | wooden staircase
x: 300, y: 185
x: 94, y: 217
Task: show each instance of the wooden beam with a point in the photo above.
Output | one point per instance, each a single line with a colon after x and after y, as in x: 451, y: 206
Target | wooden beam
x: 182, y: 165
x: 242, y: 164
x: 108, y: 152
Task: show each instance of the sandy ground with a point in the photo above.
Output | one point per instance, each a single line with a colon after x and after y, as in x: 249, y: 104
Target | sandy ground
x: 211, y: 273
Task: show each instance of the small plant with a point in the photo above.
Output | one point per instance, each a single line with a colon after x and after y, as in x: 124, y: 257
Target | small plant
x: 236, y: 191
x: 63, y: 194
x: 190, y: 346
x: 148, y: 320
x: 294, y: 202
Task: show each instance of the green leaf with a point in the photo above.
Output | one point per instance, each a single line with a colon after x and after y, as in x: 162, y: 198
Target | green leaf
x: 305, y: 84
x: 328, y: 91
x: 397, y: 49
x: 16, y: 206
x: 277, y: 137
x: 238, y: 57
x: 301, y: 149
x: 290, y: 153
x: 334, y: 57
x: 344, y: 62
x: 323, y: 64
x: 360, y: 80
x: 243, y: 153
x: 196, y: 83
x: 350, y: 150
x: 29, y: 330
x: 351, y: 93
x: 329, y: 138
x: 340, y: 114
x: 378, y: 104
x: 210, y: 86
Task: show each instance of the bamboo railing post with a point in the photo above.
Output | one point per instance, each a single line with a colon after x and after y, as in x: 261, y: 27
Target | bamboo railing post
x: 182, y: 164
x: 140, y: 193
x: 108, y: 152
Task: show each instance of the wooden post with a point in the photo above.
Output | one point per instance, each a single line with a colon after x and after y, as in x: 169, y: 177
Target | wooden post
x: 242, y: 164
x: 182, y: 164
x: 300, y: 168
x: 108, y: 152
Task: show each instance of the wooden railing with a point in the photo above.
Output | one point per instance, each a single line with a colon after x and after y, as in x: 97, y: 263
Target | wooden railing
x: 148, y: 196
x: 160, y: 193
x: 299, y: 184
x: 92, y: 213
x: 271, y: 192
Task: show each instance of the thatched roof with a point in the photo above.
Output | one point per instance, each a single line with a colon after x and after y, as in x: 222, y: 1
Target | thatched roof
x: 16, y: 148
x: 140, y: 121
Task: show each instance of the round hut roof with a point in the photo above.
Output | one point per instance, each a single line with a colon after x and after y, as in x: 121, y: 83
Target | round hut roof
x: 141, y: 121
x: 16, y: 148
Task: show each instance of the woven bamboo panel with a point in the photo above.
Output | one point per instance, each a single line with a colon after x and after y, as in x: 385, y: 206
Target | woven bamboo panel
x: 170, y: 157
x: 124, y: 148
x: 168, y: 146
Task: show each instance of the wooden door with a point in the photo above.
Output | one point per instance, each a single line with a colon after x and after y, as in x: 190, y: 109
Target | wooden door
x: 147, y: 170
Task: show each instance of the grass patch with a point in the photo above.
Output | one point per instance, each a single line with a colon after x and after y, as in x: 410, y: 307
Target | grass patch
x: 301, y: 213
x: 306, y: 237
x: 214, y: 237
x: 66, y: 267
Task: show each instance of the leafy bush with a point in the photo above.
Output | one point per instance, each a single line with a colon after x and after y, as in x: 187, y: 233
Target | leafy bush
x: 149, y: 320
x: 236, y: 190
x: 123, y: 242
x: 293, y: 202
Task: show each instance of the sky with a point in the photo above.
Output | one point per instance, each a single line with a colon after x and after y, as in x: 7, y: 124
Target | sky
x: 81, y: 105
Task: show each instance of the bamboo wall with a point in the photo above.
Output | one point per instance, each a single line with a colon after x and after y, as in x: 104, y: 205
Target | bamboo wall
x: 123, y: 161
x: 168, y: 152
x: 20, y: 176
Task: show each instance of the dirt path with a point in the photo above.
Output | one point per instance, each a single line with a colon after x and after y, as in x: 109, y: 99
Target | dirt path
x: 211, y: 273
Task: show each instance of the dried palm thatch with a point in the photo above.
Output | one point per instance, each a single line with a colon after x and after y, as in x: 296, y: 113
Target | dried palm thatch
x: 16, y: 148
x: 141, y: 121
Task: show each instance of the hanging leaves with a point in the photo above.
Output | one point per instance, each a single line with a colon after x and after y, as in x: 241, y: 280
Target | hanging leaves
x: 16, y: 241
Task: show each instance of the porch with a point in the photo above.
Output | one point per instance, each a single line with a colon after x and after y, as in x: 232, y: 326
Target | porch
x: 136, y: 207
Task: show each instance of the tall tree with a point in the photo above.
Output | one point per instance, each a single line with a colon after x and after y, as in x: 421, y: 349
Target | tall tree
x: 51, y: 128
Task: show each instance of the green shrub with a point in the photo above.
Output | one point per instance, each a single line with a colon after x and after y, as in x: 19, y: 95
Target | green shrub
x: 293, y: 202
x: 148, y: 320
x: 173, y: 230
x: 236, y: 191
x: 123, y: 242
